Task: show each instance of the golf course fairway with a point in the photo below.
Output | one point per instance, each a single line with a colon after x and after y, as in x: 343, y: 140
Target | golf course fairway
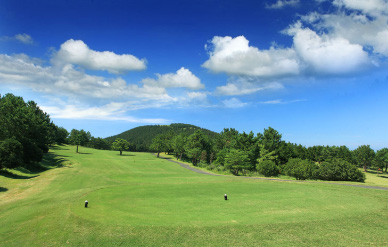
x: 138, y: 199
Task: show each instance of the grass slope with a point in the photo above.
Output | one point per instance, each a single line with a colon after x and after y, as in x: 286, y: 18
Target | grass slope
x: 139, y: 200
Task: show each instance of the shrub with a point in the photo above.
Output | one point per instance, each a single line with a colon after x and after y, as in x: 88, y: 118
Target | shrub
x: 11, y: 153
x: 301, y: 169
x: 340, y: 170
x: 268, y: 168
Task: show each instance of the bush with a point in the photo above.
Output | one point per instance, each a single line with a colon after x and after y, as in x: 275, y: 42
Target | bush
x: 301, y: 169
x: 340, y: 170
x: 11, y: 153
x: 268, y: 168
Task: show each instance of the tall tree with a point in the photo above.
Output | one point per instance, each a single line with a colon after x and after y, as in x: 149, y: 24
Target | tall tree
x: 99, y: 143
x: 271, y: 139
x: 120, y: 145
x: 382, y: 158
x: 28, y: 124
x: 364, y: 156
x: 196, y: 143
x: 157, y: 144
x: 237, y: 161
x: 60, y: 135
x: 265, y: 154
x: 75, y: 138
x: 249, y: 144
x: 178, y: 144
x: 79, y: 138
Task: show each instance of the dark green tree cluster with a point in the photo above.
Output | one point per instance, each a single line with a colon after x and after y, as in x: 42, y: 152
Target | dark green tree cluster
x: 85, y: 139
x: 26, y: 132
x: 267, y: 154
x: 141, y: 137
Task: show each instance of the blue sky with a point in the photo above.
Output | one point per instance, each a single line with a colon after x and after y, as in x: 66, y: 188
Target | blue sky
x: 314, y: 70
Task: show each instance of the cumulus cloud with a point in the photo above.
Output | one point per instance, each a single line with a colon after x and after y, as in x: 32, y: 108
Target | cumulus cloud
x: 282, y: 4
x: 182, y: 78
x: 234, y: 56
x: 78, y: 53
x: 75, y: 85
x: 367, y: 28
x: 347, y: 40
x: 21, y: 37
x: 68, y: 81
x: 325, y: 54
x: 370, y: 7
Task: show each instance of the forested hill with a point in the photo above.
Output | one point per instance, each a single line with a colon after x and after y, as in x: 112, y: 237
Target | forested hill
x: 141, y: 137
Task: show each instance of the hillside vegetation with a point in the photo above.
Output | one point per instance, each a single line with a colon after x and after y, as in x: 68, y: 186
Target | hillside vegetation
x: 141, y: 137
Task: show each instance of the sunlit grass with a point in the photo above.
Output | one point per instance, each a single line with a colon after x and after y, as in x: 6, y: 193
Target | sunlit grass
x: 139, y: 200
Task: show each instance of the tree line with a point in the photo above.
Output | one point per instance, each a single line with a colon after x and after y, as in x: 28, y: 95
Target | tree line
x: 26, y: 132
x: 266, y: 153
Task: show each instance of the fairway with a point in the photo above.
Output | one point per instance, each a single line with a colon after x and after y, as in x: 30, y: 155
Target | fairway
x: 140, y: 200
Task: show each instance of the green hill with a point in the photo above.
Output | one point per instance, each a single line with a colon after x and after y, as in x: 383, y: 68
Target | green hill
x: 141, y: 137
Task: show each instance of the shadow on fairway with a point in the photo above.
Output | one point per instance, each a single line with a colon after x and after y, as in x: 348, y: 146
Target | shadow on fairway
x: 166, y: 158
x: 373, y: 171
x: 2, y: 189
x: 126, y: 155
x: 59, y: 147
x: 49, y: 161
x: 9, y: 174
x: 83, y: 153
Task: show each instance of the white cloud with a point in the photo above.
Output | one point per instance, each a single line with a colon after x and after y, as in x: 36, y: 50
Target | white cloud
x: 279, y: 102
x: 348, y: 40
x: 358, y: 28
x: 370, y: 7
x: 327, y: 55
x: 68, y: 81
x: 234, y: 103
x: 283, y: 3
x: 193, y: 99
x: 235, y: 56
x: 24, y: 38
x: 182, y: 78
x: 78, y: 53
x: 113, y: 111
x: 200, y: 96
x: 244, y: 88
x: 21, y: 37
x: 77, y: 89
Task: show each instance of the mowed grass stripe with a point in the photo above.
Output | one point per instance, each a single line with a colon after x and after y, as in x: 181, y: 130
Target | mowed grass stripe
x: 139, y: 200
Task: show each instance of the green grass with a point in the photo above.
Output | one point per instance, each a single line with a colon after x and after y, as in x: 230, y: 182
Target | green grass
x: 139, y: 200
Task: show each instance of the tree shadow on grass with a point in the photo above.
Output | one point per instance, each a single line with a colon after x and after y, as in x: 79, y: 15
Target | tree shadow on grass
x: 9, y: 174
x: 59, y: 147
x: 49, y: 161
x: 83, y: 153
x: 2, y: 189
x: 126, y: 155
